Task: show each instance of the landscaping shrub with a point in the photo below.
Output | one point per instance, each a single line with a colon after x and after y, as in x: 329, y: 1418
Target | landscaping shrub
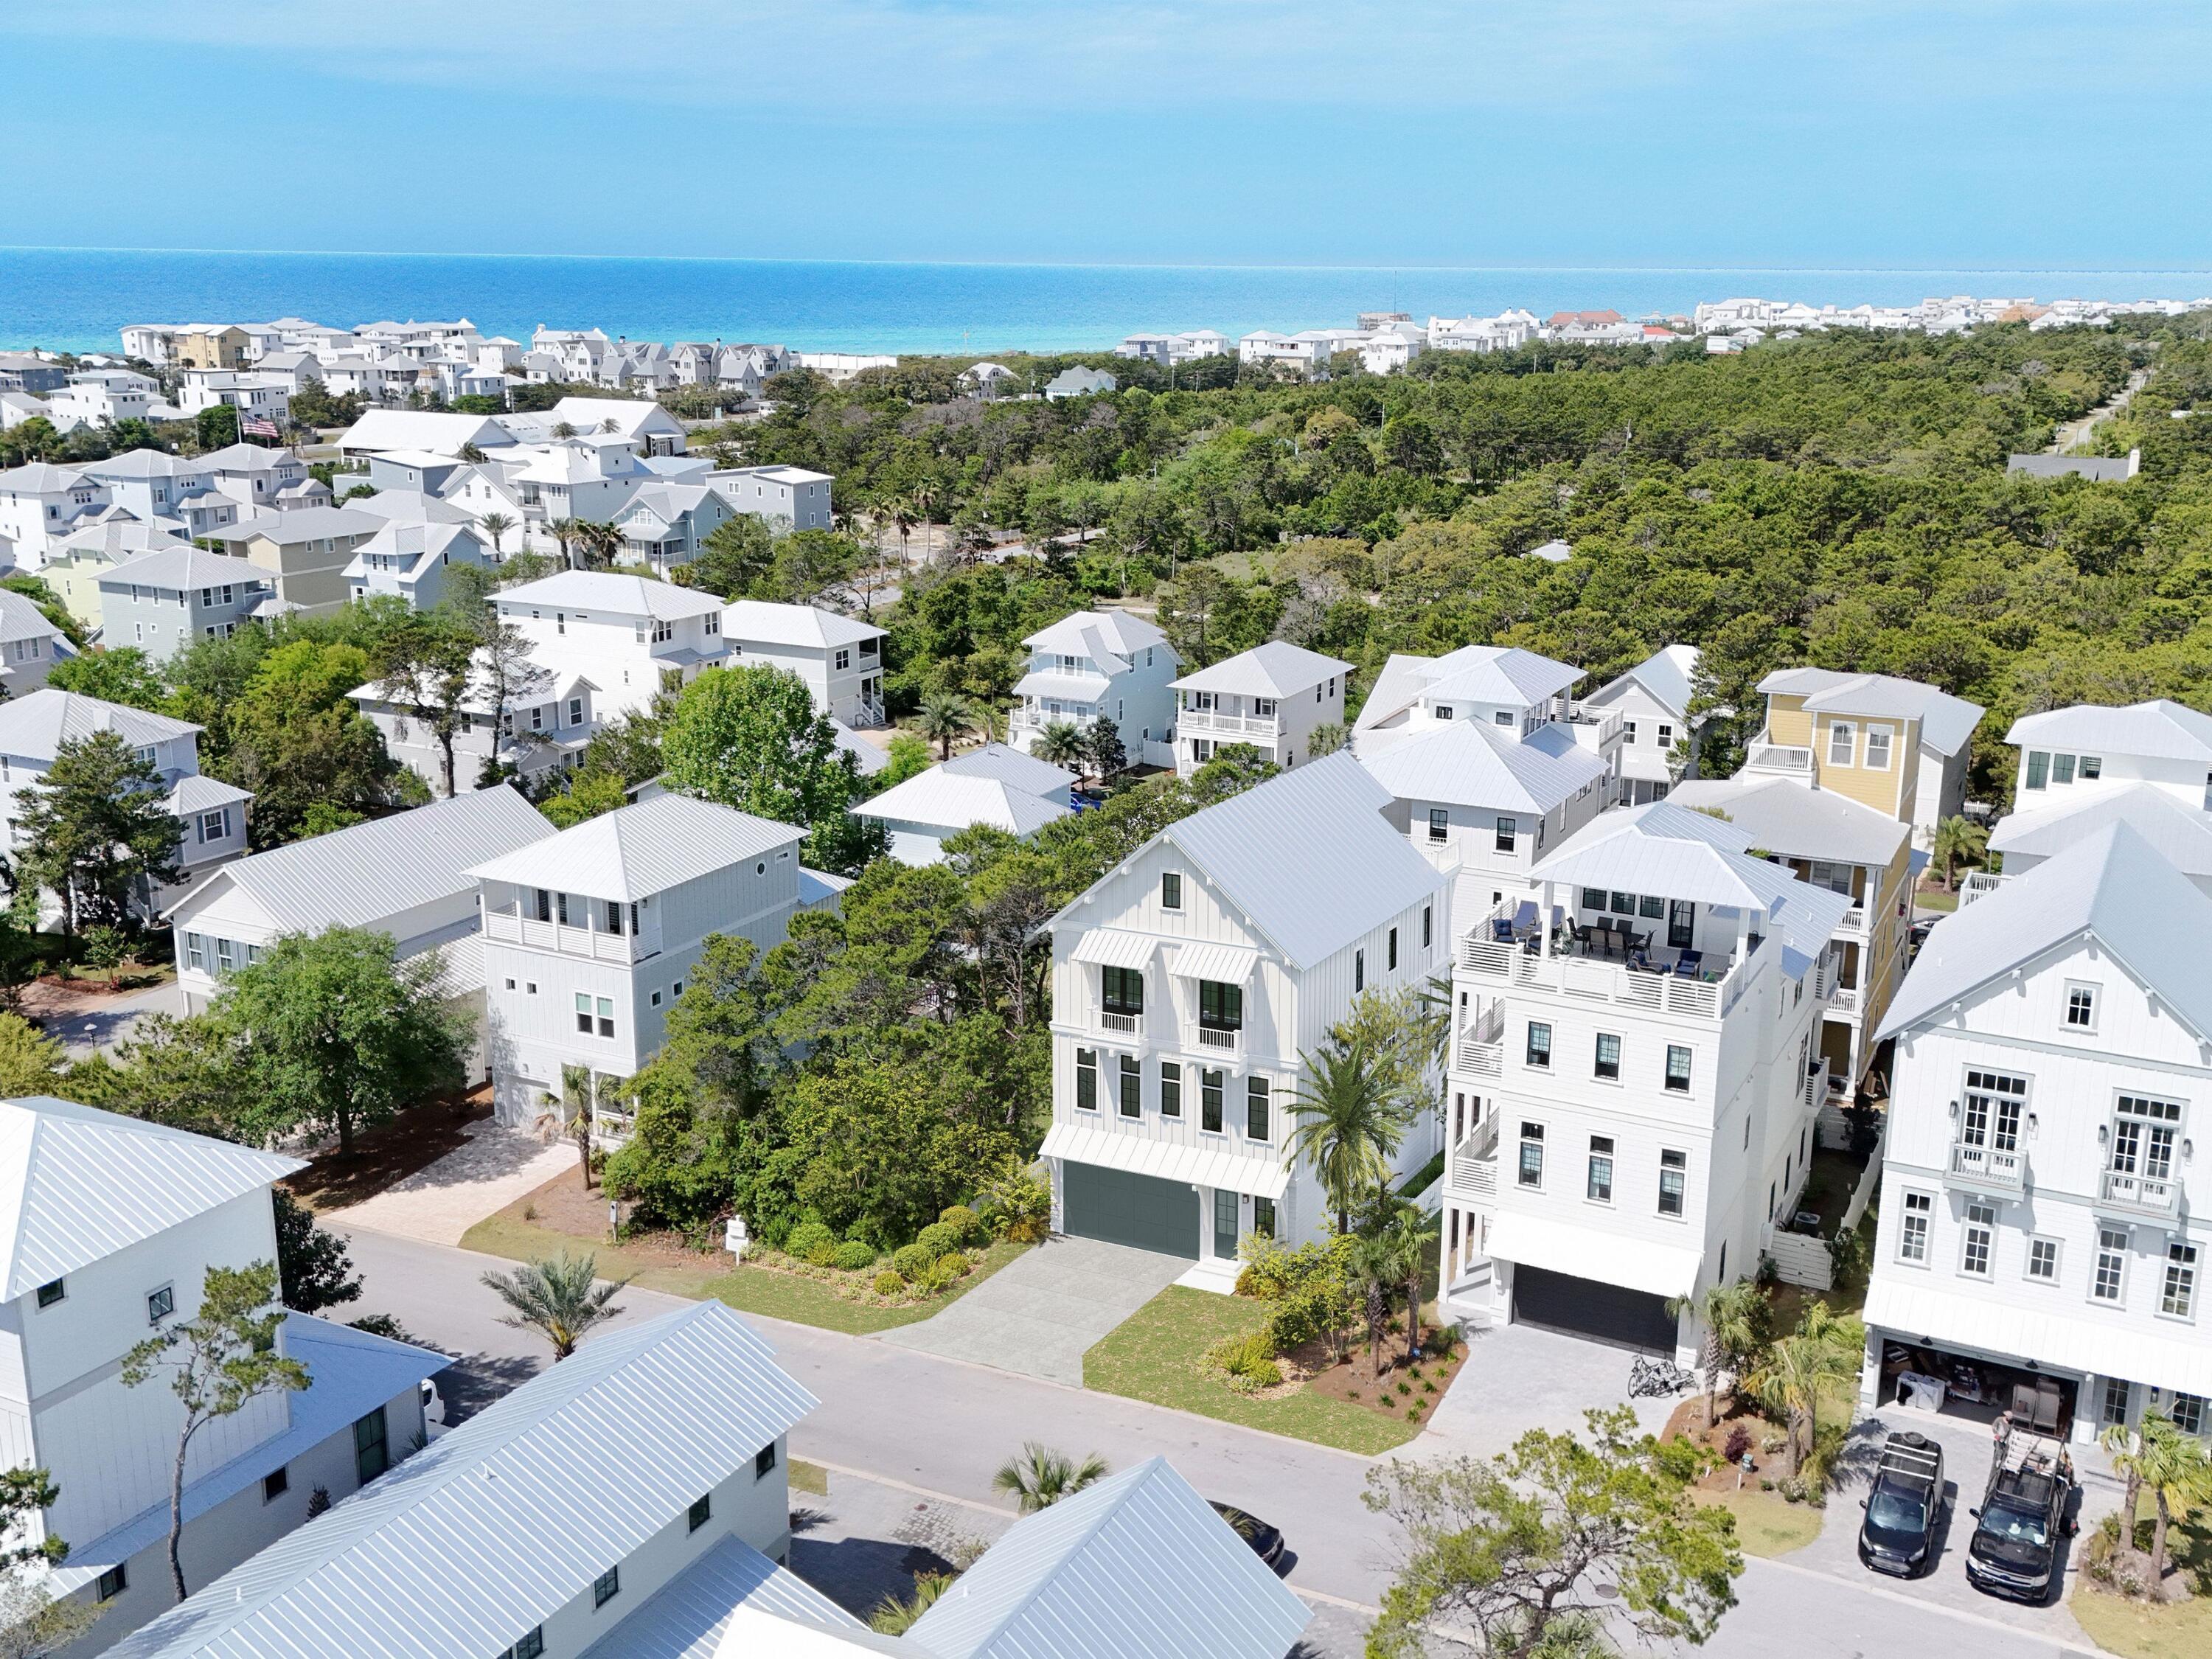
x: 938, y: 1239
x: 912, y: 1260
x: 810, y: 1241
x: 1018, y: 1207
x: 1739, y: 1445
x: 967, y: 1226
x: 889, y: 1282
x: 1246, y: 1363
x: 852, y: 1255
x: 931, y: 1278
x: 954, y: 1264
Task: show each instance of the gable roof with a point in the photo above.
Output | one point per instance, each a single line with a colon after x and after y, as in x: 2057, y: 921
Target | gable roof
x: 1109, y: 1573
x: 118, y: 539
x: 1277, y: 669
x: 181, y: 568
x: 42, y: 478
x: 1308, y: 856
x: 1945, y: 721
x: 2180, y: 834
x: 1785, y: 818
x: 1011, y: 765
x: 78, y: 1185
x: 1665, y: 675
x: 1468, y: 763
x: 480, y: 1535
x: 21, y: 619
x: 420, y: 428
x: 615, y: 593
x: 756, y: 621
x: 2111, y: 886
x: 952, y: 800
x: 303, y: 523
x: 358, y: 876
x: 636, y: 851
x: 2161, y: 729
x: 690, y: 1616
x: 37, y: 725
x: 1479, y: 673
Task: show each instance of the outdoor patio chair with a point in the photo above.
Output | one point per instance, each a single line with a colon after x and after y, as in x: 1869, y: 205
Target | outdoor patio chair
x: 1501, y: 931
x: 1687, y: 964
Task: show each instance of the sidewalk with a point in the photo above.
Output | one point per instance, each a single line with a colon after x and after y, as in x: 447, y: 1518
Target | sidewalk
x: 438, y: 1204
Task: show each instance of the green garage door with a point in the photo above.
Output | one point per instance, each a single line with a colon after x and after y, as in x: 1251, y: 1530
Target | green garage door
x: 1141, y: 1211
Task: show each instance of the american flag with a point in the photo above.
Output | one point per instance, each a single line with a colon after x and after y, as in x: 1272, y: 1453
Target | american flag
x: 255, y: 427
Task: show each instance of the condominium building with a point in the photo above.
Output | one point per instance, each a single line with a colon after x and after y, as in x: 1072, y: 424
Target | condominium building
x: 1095, y: 665
x: 1634, y: 1075
x: 1896, y: 745
x: 1189, y: 984
x: 1271, y: 697
x: 2043, y: 1228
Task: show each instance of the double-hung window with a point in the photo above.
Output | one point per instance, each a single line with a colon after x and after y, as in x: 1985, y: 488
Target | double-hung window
x: 584, y: 1012
x: 2178, y: 1297
x: 1678, y: 1067
x: 1599, y: 1186
x: 1086, y: 1080
x: 1256, y: 1124
x: 1877, y: 748
x: 1439, y: 823
x: 1608, y: 1065
x: 1538, y: 1051
x: 1912, y: 1232
x: 1209, y: 1102
x: 2110, y: 1282
x: 1843, y: 739
x: 1171, y: 1088
x: 1532, y: 1155
x: 1975, y: 1243
x: 1133, y: 1087
x: 1507, y: 832
x: 1674, y: 1173
x: 1170, y: 891
x: 2039, y: 770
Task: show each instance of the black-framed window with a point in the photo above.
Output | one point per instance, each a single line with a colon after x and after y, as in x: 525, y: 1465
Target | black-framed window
x: 1220, y: 1006
x: 764, y: 1461
x: 372, y: 1450
x: 276, y: 1483
x: 1123, y: 990
x: 1392, y: 964
x: 1538, y: 1051
x: 606, y: 1587
x: 52, y: 1292
x: 1359, y: 972
x: 1209, y: 1102
x: 1673, y: 1176
x: 1624, y: 904
x: 1439, y: 823
x: 1133, y: 1087
x: 1508, y: 831
x: 159, y: 1304
x: 1170, y: 891
x: 1592, y: 898
x: 1263, y: 1217
x: 1171, y: 1088
x: 701, y: 1512
x: 1428, y: 925
x: 531, y: 1646
x: 1086, y: 1080
x: 1532, y: 1155
x: 2039, y: 768
x: 1257, y: 1126
x: 1651, y: 907
x: 113, y: 1582
x: 1678, y: 1069
x: 1607, y: 1063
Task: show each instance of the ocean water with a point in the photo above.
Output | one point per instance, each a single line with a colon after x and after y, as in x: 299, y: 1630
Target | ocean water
x: 77, y: 298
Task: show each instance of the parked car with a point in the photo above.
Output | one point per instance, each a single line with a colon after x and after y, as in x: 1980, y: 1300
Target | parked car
x: 1266, y: 1541
x: 1905, y: 1507
x: 2022, y: 1520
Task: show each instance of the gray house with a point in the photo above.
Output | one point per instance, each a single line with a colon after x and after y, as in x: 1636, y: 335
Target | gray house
x: 1078, y: 383
x: 162, y: 601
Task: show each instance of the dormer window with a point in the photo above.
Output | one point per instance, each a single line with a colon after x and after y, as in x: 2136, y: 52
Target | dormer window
x: 1442, y: 711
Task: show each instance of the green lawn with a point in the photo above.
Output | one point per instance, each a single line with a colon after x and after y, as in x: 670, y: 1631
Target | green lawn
x: 749, y: 1290
x: 1155, y: 1353
x: 1767, y: 1523
x: 2136, y: 1630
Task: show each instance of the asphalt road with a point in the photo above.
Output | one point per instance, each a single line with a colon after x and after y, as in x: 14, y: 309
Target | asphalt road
x: 941, y: 1427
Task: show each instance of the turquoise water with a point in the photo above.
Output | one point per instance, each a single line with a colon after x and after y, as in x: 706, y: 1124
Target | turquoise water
x: 76, y: 299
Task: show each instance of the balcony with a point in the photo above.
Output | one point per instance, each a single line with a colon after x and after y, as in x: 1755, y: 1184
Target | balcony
x: 1979, y: 884
x: 1118, y: 1025
x: 1655, y: 991
x: 1481, y: 1051
x: 1471, y: 1169
x: 1854, y: 921
x: 1596, y: 730
x: 2141, y: 1194
x: 1843, y: 1000
x: 1815, y: 1090
x: 1212, y: 722
x: 1987, y: 1168
x: 1214, y: 1040
x: 1789, y: 760
x: 585, y: 942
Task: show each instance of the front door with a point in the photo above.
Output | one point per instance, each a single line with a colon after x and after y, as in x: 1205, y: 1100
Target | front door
x: 1682, y: 916
x: 1225, y: 1224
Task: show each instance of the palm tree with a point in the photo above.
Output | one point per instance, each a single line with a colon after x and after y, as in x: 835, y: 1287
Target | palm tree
x: 1062, y: 743
x: 1041, y: 1477
x: 2178, y: 1472
x: 1347, y: 1123
x: 1958, y: 840
x: 1370, y: 1273
x: 564, y: 531
x: 945, y: 715
x: 576, y: 1097
x: 561, y: 1299
x: 1730, y: 1315
x: 1327, y: 739
x: 925, y: 498
x: 600, y: 543
x: 1410, y: 1240
x: 497, y: 525
x: 1789, y: 1373
x: 2122, y: 1443
x: 895, y: 1617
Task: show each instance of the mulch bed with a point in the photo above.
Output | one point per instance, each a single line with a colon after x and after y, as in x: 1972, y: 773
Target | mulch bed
x: 563, y: 1205
x: 1398, y: 1389
x: 1688, y: 1420
x: 414, y: 1140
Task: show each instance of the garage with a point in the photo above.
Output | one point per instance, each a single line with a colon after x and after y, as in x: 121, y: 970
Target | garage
x: 1584, y: 1307
x: 1143, y: 1212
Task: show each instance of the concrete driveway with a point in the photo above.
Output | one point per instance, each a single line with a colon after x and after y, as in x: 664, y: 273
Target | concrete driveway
x: 496, y: 1165
x: 1518, y: 1378
x: 1040, y: 1313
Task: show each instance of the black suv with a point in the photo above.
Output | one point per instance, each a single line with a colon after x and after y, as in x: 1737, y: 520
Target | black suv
x: 2022, y: 1520
x: 1903, y: 1510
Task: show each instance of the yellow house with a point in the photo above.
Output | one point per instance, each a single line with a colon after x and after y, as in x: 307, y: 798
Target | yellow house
x: 1830, y: 839
x: 1897, y: 745
x: 210, y: 348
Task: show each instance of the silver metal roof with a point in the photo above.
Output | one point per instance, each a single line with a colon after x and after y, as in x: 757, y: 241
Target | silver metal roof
x: 1468, y: 763
x: 1135, y: 1567
x: 2158, y: 730
x: 616, y: 594
x: 953, y: 801
x: 77, y: 1184
x: 1010, y: 765
x: 1277, y: 669
x: 1672, y: 852
x: 486, y: 1532
x: 642, y: 849
x: 1780, y: 816
x: 37, y: 725
x: 1666, y: 674
x: 1945, y: 721
x: 751, y: 621
x: 688, y: 1617
x: 357, y: 877
x: 181, y: 567
x: 2112, y: 886
x: 2180, y: 834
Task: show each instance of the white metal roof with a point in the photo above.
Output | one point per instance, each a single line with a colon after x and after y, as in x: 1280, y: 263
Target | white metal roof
x: 358, y: 876
x: 1010, y: 765
x: 2110, y: 886
x: 1586, y: 1252
x: 181, y: 568
x: 2182, y: 836
x: 441, y: 433
x: 1945, y: 721
x: 77, y: 1185
x: 1114, y: 947
x: 690, y: 1616
x: 1204, y: 1164
x: 870, y: 759
x: 1224, y: 964
x: 637, y: 851
x: 1135, y: 1567
x: 36, y: 727
x: 1308, y: 857
x: 1277, y: 669
x: 487, y: 1531
x: 21, y: 619
x: 2158, y: 730
x: 2056, y: 1334
x: 614, y: 594
x: 121, y: 539
x: 1492, y: 673
x: 1097, y: 632
x: 196, y: 793
x: 953, y: 801
x: 1469, y: 763
x: 1780, y: 816
x: 1667, y: 675
x: 756, y: 621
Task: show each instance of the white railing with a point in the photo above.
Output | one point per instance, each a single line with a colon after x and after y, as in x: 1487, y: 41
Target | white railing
x: 1605, y: 722
x: 1988, y: 1166
x: 1816, y: 1086
x: 1220, y: 1041
x: 1824, y: 982
x: 1979, y: 884
x: 1843, y: 1000
x: 1778, y: 758
x: 1481, y: 1052
x: 1608, y: 982
x: 1854, y: 921
x: 611, y: 1128
x: 1124, y: 1024
x: 1472, y: 1167
x: 1212, y: 719
x: 2150, y: 1193
x: 568, y: 941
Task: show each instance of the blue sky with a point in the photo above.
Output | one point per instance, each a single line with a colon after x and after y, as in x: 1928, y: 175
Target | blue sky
x: 1668, y: 132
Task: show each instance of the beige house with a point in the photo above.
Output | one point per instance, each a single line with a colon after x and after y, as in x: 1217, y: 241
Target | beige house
x: 210, y: 348
x: 76, y: 563
x: 306, y: 551
x: 1897, y: 745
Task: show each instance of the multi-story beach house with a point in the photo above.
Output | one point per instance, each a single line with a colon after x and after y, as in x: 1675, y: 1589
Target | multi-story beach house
x: 168, y: 599
x: 2044, y: 1236
x: 1272, y: 697
x: 1634, y: 1075
x: 1653, y: 701
x: 83, y: 1282
x: 40, y: 504
x: 1896, y: 745
x: 1094, y: 666
x: 840, y: 658
x: 629, y: 636
x: 1188, y: 984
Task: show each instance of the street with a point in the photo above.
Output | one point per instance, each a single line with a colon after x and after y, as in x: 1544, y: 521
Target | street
x: 939, y: 1428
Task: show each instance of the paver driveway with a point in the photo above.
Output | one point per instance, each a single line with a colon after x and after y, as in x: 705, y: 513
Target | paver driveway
x: 1518, y: 1378
x: 1040, y: 1313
